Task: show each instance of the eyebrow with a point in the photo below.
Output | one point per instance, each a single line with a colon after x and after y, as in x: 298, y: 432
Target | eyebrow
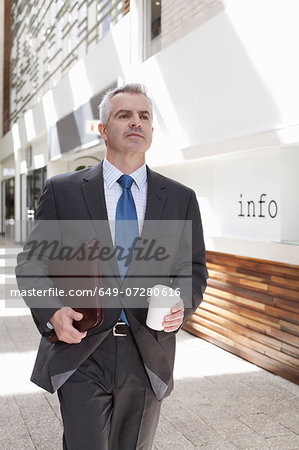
x: 129, y: 111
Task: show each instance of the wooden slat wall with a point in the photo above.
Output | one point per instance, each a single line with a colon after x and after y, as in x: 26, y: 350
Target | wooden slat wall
x: 251, y: 308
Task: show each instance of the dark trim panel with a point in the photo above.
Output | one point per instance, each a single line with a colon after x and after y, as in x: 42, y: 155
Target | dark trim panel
x: 6, y: 74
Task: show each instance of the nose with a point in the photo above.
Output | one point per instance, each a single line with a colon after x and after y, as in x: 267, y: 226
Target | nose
x: 135, y: 121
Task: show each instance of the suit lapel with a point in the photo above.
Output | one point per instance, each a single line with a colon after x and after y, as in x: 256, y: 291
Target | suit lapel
x: 93, y: 192
x: 156, y: 196
x: 94, y: 196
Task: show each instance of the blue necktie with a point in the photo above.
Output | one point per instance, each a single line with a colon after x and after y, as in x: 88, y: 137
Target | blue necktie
x: 126, y: 226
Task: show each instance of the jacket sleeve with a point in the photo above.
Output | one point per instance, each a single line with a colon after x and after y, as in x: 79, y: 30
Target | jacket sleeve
x: 190, y: 263
x: 32, y: 262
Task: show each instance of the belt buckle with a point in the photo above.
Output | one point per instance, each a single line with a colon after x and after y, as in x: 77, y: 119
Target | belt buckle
x: 114, y: 329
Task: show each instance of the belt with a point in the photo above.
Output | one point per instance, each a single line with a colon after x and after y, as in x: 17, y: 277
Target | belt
x: 121, y: 329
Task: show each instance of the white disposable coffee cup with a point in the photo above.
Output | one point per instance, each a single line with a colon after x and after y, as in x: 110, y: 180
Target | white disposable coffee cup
x: 161, y: 302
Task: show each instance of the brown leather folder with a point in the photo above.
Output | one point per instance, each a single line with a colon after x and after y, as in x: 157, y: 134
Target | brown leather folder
x: 80, y: 272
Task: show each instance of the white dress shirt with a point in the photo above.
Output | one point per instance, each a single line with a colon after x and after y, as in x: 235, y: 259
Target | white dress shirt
x: 113, y: 191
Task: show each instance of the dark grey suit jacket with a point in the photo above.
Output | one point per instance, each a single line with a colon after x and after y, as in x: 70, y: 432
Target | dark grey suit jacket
x: 80, y: 196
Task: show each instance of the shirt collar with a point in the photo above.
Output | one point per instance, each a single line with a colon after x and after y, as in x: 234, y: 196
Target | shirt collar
x: 111, y: 174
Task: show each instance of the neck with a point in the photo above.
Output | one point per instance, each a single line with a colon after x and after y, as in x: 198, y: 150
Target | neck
x: 126, y: 163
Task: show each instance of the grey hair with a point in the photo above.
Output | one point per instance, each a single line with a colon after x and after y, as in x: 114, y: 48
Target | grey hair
x: 105, y: 106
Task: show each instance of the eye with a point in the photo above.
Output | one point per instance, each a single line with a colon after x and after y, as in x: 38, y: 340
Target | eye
x: 123, y: 116
x: 144, y: 117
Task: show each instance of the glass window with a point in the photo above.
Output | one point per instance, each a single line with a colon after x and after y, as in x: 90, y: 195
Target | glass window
x: 9, y: 186
x: 152, y: 11
x: 35, y: 184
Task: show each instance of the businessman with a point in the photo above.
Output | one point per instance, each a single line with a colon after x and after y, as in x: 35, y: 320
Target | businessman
x: 112, y: 379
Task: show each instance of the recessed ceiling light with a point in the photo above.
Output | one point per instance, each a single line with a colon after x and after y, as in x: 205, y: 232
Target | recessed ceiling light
x: 157, y: 3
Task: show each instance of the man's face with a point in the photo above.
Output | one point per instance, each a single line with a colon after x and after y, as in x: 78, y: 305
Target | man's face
x: 129, y: 128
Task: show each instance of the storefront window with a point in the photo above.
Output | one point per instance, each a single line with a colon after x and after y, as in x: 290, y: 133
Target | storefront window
x: 9, y: 202
x: 8, y: 206
x: 152, y: 20
x: 35, y: 184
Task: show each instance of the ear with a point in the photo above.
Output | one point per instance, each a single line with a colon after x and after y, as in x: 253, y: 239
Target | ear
x: 102, y: 131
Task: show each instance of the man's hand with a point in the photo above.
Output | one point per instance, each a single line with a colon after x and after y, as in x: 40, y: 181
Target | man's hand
x: 174, y: 320
x: 62, y: 322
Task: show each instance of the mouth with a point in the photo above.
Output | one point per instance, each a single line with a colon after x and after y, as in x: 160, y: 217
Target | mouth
x: 135, y: 135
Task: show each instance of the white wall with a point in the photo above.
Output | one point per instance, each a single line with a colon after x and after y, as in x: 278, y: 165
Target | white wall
x: 246, y: 177
x: 235, y: 75
x: 7, y: 163
x: 290, y: 194
x: 218, y: 183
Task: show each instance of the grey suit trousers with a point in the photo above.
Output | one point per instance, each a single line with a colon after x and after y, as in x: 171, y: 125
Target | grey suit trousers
x: 108, y: 403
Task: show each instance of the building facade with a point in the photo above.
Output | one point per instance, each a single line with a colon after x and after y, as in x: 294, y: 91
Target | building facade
x: 223, y: 76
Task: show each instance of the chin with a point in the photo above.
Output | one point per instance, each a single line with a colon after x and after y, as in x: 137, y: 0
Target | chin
x: 136, y: 149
